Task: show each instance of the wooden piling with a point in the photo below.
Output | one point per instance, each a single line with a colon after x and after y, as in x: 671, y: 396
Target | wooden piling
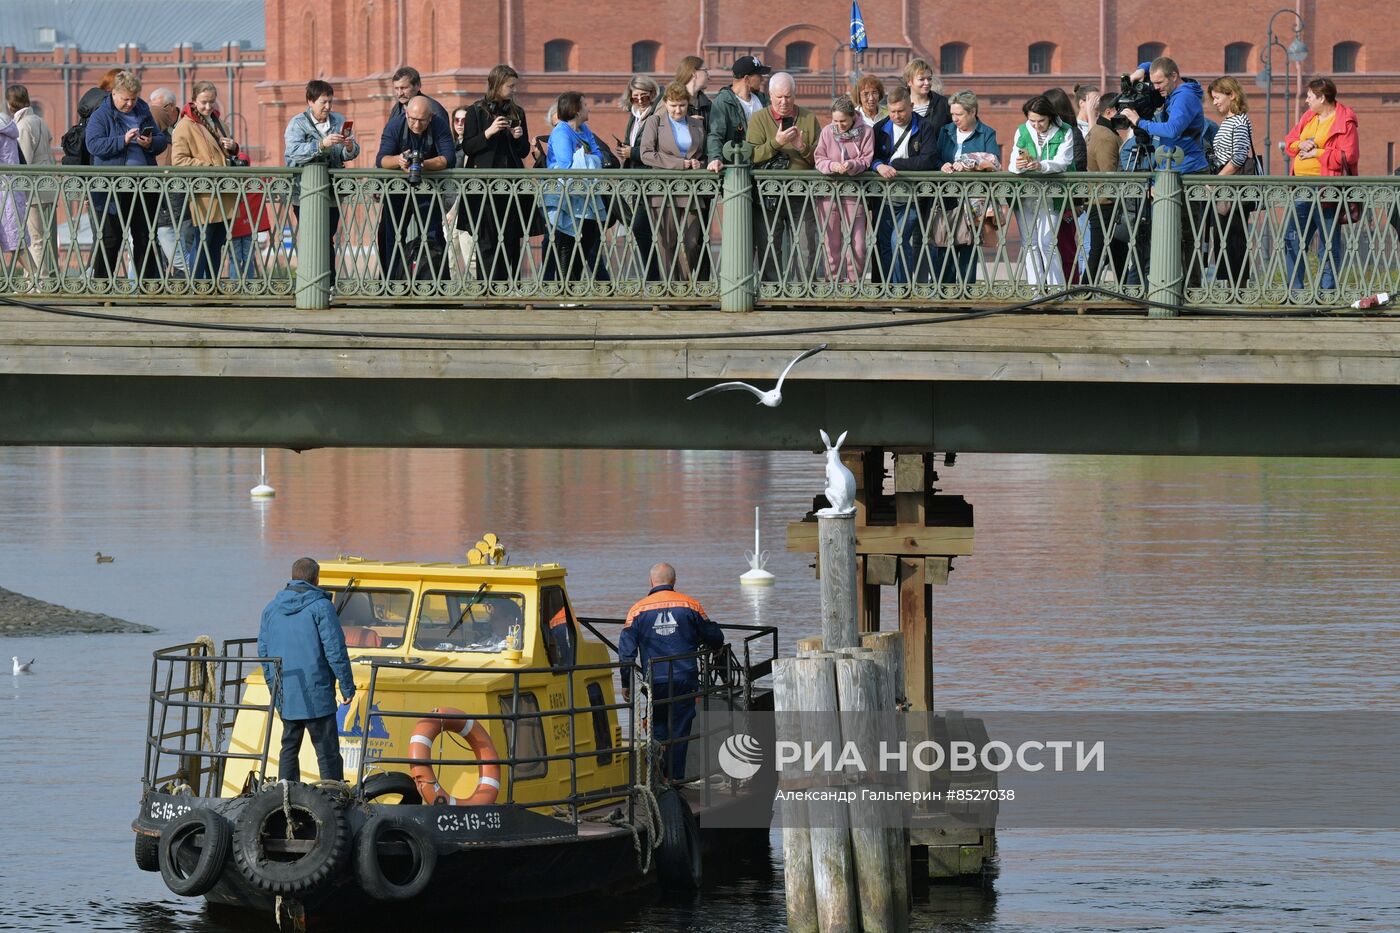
x: 858, y: 692
x: 888, y: 659
x: 832, y: 871
x: 836, y: 553
x: 797, y: 837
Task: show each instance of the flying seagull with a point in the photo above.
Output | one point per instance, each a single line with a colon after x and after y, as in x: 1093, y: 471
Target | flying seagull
x: 22, y: 667
x: 772, y: 398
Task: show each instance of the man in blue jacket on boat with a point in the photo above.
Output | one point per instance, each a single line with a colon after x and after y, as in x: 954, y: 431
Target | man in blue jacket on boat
x: 663, y: 624
x: 301, y: 627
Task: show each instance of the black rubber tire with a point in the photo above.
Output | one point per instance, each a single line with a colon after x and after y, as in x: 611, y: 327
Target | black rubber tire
x: 315, y: 817
x: 679, y: 866
x: 176, y: 840
x: 147, y: 852
x: 391, y: 782
x: 402, y: 878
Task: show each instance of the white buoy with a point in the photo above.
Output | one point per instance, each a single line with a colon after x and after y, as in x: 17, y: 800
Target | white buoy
x: 758, y: 559
x: 262, y: 490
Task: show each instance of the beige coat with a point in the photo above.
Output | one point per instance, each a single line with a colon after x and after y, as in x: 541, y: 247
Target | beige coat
x: 658, y: 143
x: 36, y: 142
x: 192, y: 144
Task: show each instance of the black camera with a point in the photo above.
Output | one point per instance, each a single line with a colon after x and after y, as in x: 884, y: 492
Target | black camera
x: 415, y: 166
x: 238, y: 161
x: 1139, y: 96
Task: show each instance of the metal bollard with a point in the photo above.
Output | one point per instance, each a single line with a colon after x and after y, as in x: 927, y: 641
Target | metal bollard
x: 737, y: 278
x: 314, y: 248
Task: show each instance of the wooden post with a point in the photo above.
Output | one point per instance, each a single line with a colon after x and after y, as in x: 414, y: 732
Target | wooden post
x: 858, y: 693
x: 916, y: 621
x: 797, y: 837
x: 889, y: 657
x: 830, y: 832
x: 836, y: 553
x: 889, y: 651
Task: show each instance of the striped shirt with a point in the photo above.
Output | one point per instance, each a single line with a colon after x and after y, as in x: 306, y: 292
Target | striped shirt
x: 1234, y: 143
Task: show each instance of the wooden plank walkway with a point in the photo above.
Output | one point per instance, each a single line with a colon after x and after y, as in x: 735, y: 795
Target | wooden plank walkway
x: 467, y: 344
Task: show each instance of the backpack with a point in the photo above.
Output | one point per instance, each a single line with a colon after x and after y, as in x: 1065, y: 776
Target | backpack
x: 75, y: 151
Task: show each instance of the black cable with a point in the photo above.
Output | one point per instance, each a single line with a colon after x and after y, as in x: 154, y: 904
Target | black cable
x: 950, y: 317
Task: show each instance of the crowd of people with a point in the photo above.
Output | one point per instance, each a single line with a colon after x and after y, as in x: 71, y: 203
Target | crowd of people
x: 883, y: 230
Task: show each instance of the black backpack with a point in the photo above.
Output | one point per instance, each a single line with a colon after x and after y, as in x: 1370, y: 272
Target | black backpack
x: 75, y: 151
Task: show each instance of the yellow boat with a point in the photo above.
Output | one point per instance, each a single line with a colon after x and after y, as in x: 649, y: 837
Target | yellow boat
x: 484, y: 742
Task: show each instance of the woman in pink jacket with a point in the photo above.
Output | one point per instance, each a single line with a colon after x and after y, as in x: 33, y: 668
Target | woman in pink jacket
x: 846, y: 146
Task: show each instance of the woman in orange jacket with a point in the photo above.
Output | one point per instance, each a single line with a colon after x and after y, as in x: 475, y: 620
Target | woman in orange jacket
x: 1323, y: 143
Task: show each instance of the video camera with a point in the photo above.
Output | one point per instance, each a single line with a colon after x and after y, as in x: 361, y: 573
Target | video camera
x: 1140, y: 96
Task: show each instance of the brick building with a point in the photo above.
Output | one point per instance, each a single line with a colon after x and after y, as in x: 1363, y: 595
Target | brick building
x: 60, y: 49
x: 1004, y: 51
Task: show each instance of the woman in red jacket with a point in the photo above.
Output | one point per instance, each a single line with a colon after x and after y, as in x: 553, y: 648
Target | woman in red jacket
x: 1323, y: 143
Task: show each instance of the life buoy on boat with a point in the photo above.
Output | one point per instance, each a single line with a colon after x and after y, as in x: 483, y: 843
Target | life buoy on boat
x: 420, y: 749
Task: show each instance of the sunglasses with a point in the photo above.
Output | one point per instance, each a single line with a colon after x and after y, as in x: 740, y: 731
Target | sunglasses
x: 640, y: 98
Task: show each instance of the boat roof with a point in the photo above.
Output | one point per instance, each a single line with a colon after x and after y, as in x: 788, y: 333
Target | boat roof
x: 365, y: 569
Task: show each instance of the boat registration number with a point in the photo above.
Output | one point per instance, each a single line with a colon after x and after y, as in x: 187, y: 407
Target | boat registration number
x: 166, y: 810
x: 469, y: 821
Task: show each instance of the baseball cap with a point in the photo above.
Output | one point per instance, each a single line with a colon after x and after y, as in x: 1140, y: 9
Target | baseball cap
x: 748, y: 65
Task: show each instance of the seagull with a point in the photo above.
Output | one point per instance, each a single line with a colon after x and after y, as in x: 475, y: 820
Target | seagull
x: 22, y: 667
x: 103, y: 558
x: 772, y: 398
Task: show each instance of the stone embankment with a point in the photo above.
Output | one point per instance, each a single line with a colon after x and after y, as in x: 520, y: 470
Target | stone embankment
x: 24, y: 615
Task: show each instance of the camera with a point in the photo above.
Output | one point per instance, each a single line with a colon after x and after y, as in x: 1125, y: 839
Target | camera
x: 415, y: 166
x: 1139, y: 96
x: 238, y: 161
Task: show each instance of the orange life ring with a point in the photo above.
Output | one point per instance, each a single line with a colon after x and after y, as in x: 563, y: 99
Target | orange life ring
x: 420, y: 749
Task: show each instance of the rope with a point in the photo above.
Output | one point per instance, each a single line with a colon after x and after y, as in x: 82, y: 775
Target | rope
x: 208, y: 692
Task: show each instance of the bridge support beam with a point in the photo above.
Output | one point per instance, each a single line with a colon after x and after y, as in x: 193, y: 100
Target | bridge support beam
x: 315, y: 251
x: 1166, y: 272
x: 737, y: 284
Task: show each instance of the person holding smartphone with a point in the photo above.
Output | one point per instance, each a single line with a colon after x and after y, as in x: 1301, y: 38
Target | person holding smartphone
x: 122, y: 131
x: 784, y: 136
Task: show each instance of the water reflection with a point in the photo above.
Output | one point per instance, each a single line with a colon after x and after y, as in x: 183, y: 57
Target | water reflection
x: 1098, y: 583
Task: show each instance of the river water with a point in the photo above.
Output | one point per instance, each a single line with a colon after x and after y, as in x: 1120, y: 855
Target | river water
x: 1099, y: 583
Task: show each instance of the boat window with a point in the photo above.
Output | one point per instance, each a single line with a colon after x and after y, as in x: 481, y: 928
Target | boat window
x: 527, y: 741
x: 557, y: 624
x: 464, y: 621
x: 372, y: 618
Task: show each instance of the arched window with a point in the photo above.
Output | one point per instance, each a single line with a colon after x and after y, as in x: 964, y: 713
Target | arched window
x: 558, y: 55
x: 799, y: 56
x: 644, y: 55
x: 1237, y: 57
x: 1346, y: 57
x: 952, y: 58
x: 1150, y: 51
x: 1041, y: 58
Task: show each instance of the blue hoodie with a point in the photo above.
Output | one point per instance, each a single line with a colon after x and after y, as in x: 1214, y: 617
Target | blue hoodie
x: 300, y: 627
x: 1183, y: 128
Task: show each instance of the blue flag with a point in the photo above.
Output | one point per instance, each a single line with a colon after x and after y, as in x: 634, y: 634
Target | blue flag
x: 858, y: 43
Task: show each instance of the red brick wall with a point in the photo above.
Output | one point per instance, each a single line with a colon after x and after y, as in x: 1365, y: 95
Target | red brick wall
x: 57, y: 85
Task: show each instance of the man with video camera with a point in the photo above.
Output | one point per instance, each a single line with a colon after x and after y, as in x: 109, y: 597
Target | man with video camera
x: 1182, y: 127
x: 416, y: 142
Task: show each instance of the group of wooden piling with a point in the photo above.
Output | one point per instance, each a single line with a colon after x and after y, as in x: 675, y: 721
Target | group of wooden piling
x: 846, y: 862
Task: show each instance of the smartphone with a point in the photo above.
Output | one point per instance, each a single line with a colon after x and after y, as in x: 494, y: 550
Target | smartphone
x: 786, y: 122
x: 348, y: 129
x: 618, y: 141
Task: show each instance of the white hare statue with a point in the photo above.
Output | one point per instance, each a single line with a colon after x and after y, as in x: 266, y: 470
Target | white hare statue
x: 840, y: 482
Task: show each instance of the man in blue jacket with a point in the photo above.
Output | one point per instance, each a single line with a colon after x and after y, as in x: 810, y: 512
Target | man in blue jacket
x: 1183, y: 123
x: 300, y: 626
x: 904, y: 142
x: 660, y: 626
x: 414, y: 136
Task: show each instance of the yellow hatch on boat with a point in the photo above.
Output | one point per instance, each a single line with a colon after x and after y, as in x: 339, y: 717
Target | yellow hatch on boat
x: 489, y: 640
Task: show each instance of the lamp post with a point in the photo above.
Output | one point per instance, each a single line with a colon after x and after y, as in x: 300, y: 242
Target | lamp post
x: 1295, y: 51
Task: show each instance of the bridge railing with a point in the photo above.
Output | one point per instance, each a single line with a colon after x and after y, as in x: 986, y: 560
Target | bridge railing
x: 739, y: 240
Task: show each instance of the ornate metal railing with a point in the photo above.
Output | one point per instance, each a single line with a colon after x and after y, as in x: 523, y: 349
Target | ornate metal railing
x: 739, y: 240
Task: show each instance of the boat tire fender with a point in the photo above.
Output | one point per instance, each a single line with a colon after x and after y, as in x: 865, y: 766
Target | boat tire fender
x: 147, y: 852
x: 679, y: 867
x: 176, y: 850
x: 315, y: 817
x: 391, y: 782
x: 394, y: 877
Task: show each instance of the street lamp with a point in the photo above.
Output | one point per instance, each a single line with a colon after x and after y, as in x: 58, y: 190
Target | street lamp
x: 1295, y: 51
